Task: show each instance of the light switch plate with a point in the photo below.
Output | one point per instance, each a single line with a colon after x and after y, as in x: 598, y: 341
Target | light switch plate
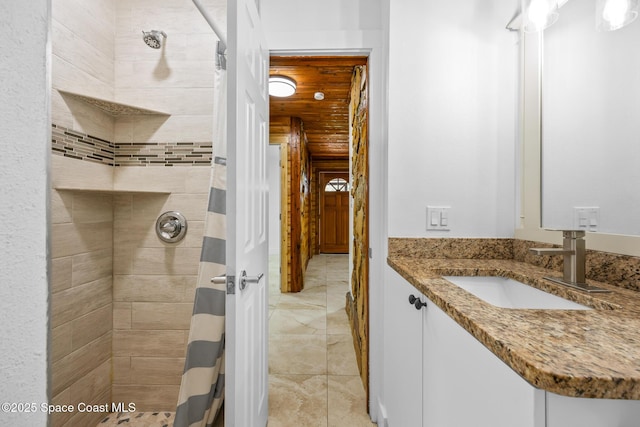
x: 438, y: 218
x: 586, y: 218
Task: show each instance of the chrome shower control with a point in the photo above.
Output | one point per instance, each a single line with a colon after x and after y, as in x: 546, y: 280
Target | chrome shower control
x: 171, y: 227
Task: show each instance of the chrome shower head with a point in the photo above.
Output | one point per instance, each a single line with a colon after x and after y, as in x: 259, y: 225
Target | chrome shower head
x: 152, y: 38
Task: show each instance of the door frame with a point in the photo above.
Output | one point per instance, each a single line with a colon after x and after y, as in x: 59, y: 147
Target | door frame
x: 377, y: 55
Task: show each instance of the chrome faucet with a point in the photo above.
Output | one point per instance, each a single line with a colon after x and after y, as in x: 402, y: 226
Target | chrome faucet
x: 574, y: 262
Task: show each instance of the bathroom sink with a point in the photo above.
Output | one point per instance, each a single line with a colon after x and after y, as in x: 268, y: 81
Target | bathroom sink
x: 509, y: 293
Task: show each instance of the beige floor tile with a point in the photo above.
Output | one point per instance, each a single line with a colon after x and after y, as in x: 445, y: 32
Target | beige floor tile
x: 338, y: 322
x: 308, y: 298
x: 297, y: 400
x: 347, y: 405
x: 297, y: 354
x: 298, y: 322
x: 341, y: 358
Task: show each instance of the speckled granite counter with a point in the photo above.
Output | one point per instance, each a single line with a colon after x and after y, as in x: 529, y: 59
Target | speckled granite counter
x: 590, y: 353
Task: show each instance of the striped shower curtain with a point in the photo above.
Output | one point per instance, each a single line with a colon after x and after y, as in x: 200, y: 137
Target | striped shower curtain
x: 202, y: 388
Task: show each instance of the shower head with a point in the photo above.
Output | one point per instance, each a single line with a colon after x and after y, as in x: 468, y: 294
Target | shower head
x: 152, y: 38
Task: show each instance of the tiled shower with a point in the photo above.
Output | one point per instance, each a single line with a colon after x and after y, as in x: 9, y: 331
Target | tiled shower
x: 131, y: 130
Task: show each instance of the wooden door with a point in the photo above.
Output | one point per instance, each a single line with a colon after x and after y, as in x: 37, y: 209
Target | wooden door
x: 246, y: 379
x: 334, y: 213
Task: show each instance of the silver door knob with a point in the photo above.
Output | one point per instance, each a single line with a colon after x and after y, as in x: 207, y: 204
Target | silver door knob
x: 245, y: 280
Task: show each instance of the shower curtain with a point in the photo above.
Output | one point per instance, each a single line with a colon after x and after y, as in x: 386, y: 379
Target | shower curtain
x: 202, y: 387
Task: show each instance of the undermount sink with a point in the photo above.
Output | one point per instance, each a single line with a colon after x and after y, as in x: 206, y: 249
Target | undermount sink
x: 508, y: 293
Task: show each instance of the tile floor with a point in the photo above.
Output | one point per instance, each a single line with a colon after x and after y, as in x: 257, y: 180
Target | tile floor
x: 313, y: 373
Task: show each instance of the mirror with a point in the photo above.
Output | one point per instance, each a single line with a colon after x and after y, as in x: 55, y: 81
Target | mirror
x: 590, y: 124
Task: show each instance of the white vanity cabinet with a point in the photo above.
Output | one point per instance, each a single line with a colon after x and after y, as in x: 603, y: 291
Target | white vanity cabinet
x: 402, y: 353
x: 465, y: 384
x: 436, y: 374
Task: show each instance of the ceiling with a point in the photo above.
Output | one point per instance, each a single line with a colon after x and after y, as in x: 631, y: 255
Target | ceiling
x: 325, y: 122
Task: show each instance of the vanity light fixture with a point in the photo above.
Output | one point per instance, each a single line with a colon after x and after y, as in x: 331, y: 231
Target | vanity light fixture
x: 281, y: 86
x: 612, y: 15
x: 540, y: 14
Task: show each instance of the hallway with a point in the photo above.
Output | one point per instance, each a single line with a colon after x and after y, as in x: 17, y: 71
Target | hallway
x: 313, y: 374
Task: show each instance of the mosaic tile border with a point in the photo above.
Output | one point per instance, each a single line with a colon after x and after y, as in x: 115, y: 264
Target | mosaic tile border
x: 163, y: 154
x: 77, y: 145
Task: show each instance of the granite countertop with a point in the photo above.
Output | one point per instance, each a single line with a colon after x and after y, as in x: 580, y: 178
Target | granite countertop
x: 579, y: 353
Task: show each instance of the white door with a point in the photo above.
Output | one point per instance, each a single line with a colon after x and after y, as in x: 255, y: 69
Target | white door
x: 246, y: 397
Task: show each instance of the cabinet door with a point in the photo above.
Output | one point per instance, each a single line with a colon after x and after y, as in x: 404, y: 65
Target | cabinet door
x: 467, y: 385
x: 402, y: 353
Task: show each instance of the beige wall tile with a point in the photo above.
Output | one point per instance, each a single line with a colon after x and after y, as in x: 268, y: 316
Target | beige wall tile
x: 147, y: 397
x: 123, y: 130
x: 80, y: 51
x: 91, y: 326
x: 152, y: 288
x: 156, y: 370
x: 122, y: 370
x: 61, y: 207
x: 61, y: 341
x: 72, y: 303
x: 58, y: 419
x: 70, y: 173
x: 92, y: 266
x: 149, y: 206
x: 86, y: 418
x: 66, y: 77
x: 149, y: 343
x: 76, y: 365
x: 142, y: 178
x: 93, y: 20
x: 90, y: 207
x: 122, y: 207
x: 60, y: 113
x: 156, y: 129
x: 93, y: 121
x: 192, y: 206
x: 195, y: 128
x: 73, y: 239
x: 159, y: 315
x: 94, y: 384
x: 179, y: 261
x: 198, y: 179
x: 61, y: 269
x: 121, y: 315
x: 122, y: 260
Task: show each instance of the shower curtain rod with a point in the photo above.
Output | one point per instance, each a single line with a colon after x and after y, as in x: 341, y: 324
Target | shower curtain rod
x: 214, y: 26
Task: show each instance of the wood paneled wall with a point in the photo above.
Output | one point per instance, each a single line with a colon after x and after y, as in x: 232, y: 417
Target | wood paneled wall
x: 296, y: 208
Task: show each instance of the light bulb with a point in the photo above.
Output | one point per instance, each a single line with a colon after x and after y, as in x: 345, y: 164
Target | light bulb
x: 540, y: 14
x: 615, y: 14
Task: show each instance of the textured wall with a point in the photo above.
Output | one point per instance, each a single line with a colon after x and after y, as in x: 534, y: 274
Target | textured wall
x: 25, y: 130
x: 358, y: 300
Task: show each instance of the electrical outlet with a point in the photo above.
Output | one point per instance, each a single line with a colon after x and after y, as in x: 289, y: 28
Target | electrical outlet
x: 438, y: 218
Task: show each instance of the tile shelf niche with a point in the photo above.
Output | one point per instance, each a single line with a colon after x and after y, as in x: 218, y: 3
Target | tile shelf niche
x: 112, y: 108
x: 110, y: 191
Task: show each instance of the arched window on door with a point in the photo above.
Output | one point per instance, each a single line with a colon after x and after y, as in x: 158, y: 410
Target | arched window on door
x: 337, y: 184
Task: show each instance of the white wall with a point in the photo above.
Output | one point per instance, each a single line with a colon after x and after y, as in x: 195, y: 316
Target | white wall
x: 25, y: 130
x: 452, y: 115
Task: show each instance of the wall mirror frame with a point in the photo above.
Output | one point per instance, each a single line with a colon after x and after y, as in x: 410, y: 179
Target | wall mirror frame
x: 530, y: 172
